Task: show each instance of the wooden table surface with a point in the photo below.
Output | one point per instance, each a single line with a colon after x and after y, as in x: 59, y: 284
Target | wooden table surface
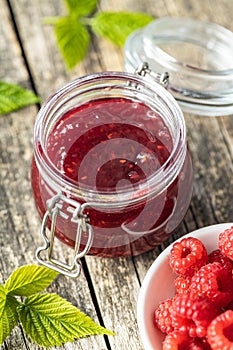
x: 107, y: 290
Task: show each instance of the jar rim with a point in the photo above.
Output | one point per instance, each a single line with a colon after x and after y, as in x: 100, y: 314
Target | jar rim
x: 82, y: 88
x: 197, y: 56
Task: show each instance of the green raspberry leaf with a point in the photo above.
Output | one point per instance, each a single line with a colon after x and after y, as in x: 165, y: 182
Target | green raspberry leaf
x: 116, y: 26
x: 81, y: 7
x: 29, y: 279
x: 72, y: 39
x: 2, y: 298
x: 14, y: 97
x: 8, y: 314
x: 50, y: 320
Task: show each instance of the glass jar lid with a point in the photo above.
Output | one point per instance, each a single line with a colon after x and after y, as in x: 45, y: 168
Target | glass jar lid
x: 197, y: 56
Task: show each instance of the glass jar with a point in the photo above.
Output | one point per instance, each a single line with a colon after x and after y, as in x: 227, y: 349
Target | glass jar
x: 111, y: 174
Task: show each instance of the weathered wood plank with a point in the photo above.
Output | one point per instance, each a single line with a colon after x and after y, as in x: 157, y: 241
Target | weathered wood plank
x: 19, y: 230
x: 213, y: 169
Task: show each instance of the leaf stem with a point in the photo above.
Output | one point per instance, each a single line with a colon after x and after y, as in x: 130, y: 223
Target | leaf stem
x: 87, y: 21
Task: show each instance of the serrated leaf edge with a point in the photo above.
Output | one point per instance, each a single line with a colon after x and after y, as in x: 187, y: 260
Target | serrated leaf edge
x: 66, y: 330
x: 38, y: 271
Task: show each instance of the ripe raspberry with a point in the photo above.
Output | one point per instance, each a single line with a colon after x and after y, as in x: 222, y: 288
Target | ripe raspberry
x: 176, y: 340
x: 192, y: 316
x: 225, y: 242
x: 214, y: 282
x: 163, y: 318
x: 187, y: 256
x: 220, y: 331
x: 217, y: 256
x: 182, y: 284
x: 182, y: 313
x: 179, y: 341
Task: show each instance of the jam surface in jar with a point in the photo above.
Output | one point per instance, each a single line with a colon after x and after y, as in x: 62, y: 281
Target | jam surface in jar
x: 109, y: 144
x: 112, y: 146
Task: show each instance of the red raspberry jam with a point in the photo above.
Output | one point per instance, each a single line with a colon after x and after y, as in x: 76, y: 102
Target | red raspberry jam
x: 113, y: 147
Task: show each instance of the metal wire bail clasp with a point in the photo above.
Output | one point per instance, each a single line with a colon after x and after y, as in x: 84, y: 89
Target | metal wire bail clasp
x: 74, y: 214
x: 161, y: 78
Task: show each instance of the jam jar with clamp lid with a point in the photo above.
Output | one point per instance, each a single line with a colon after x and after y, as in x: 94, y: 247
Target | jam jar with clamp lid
x: 111, y: 174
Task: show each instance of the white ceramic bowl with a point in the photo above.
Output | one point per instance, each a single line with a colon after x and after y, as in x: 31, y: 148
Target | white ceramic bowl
x: 158, y: 285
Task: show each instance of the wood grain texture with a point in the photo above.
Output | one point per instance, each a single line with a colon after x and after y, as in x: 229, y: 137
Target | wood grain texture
x: 108, y: 288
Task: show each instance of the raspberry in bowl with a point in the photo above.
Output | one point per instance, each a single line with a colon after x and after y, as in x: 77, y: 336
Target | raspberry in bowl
x: 177, y: 303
